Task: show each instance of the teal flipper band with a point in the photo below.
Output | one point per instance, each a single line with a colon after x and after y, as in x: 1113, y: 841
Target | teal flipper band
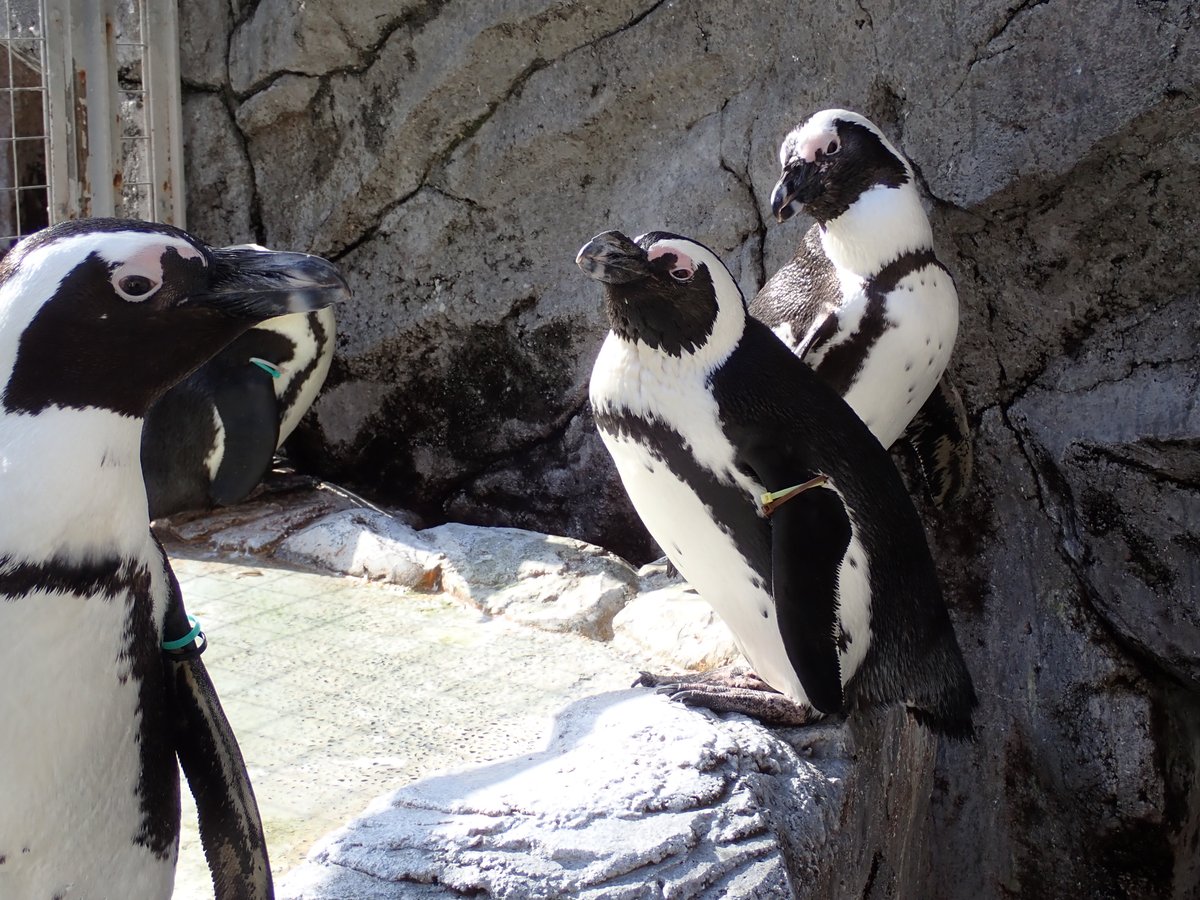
x: 270, y: 368
x: 187, y: 638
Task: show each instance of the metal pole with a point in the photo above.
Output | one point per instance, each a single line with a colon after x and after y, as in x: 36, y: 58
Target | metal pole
x: 164, y: 119
x: 62, y: 157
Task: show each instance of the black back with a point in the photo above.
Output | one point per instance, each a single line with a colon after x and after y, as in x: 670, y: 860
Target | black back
x: 806, y: 287
x: 769, y: 398
x: 179, y: 435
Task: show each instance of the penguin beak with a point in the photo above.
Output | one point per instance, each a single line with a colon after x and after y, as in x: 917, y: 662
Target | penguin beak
x: 253, y: 282
x: 613, y: 258
x: 800, y: 184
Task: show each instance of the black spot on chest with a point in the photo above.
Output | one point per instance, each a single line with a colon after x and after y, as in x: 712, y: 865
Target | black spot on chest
x: 843, y: 362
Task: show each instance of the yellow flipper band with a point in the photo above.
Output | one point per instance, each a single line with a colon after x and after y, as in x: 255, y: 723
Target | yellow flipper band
x: 771, y: 499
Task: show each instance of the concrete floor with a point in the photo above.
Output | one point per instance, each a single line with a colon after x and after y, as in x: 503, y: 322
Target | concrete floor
x: 340, y: 690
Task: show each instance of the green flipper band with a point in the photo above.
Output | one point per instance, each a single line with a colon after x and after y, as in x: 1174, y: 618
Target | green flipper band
x: 270, y: 368
x: 187, y: 638
x: 772, y: 499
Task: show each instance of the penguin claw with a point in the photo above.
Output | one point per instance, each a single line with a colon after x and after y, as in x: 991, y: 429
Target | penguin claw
x: 768, y: 708
x: 725, y: 677
x: 731, y: 689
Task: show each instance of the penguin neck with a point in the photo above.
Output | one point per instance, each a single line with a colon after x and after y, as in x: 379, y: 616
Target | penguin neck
x: 66, y: 470
x: 880, y: 226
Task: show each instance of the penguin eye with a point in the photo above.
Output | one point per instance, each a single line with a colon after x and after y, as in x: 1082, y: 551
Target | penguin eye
x: 675, y: 263
x: 136, y: 287
x: 832, y: 148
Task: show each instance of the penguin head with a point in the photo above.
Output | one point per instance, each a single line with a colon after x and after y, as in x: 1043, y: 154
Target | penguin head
x: 830, y: 161
x: 667, y: 292
x: 109, y: 313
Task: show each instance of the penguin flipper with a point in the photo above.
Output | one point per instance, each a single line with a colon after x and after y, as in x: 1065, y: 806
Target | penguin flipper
x: 940, y: 438
x: 809, y: 536
x: 249, y: 412
x: 230, y: 826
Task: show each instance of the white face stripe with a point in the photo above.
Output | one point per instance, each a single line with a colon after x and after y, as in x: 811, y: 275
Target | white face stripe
x: 820, y: 129
x: 39, y: 272
x: 731, y: 307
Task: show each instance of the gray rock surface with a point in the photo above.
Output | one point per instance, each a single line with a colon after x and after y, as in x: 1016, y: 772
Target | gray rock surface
x: 453, y: 156
x: 366, y: 543
x: 671, y: 627
x: 633, y: 797
x: 555, y: 583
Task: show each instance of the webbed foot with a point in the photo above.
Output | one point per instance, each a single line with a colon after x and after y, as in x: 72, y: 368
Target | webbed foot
x: 731, y: 689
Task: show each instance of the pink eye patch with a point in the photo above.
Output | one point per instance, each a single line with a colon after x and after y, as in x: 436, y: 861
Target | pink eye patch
x: 683, y: 267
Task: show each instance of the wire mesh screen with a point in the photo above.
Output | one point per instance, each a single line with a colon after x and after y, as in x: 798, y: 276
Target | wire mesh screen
x: 89, y: 112
x: 24, y: 189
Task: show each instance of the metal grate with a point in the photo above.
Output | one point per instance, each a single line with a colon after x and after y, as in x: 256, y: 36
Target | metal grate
x: 92, y: 126
x: 24, y: 188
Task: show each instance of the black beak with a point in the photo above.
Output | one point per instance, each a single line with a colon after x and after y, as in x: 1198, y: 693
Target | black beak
x: 613, y: 258
x: 800, y: 184
x: 256, y: 283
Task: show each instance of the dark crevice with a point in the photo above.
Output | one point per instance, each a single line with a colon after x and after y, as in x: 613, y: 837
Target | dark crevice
x: 257, y: 224
x: 438, y: 162
x: 759, y: 232
x: 473, y: 127
x: 1010, y: 17
x: 555, y: 433
x: 632, y: 23
x: 1056, y: 502
x: 370, y: 233
x: 466, y: 201
x: 470, y: 129
x: 940, y: 203
x: 368, y: 56
x: 1129, y: 461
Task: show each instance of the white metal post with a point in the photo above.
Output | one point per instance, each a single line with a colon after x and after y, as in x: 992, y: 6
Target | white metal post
x: 62, y: 166
x: 164, y: 119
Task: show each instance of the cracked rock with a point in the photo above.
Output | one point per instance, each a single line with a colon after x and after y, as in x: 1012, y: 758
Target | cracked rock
x: 1125, y: 487
x: 634, y: 797
x: 453, y: 156
x: 555, y: 583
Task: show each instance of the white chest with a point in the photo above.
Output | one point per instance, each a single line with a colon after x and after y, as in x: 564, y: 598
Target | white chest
x: 903, y: 365
x: 70, y: 755
x: 680, y: 458
x: 71, y: 483
x: 70, y: 761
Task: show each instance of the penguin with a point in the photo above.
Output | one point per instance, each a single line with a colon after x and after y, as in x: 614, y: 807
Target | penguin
x: 865, y: 301
x: 210, y: 439
x: 101, y: 685
x: 770, y: 496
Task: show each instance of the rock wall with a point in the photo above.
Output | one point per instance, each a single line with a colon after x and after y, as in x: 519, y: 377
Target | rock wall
x: 452, y: 156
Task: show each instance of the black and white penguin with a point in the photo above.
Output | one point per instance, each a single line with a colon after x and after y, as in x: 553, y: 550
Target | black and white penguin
x: 770, y: 496
x: 101, y: 686
x: 210, y: 439
x: 866, y: 302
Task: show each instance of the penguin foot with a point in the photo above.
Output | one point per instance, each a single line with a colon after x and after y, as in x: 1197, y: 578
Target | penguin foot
x: 731, y: 689
x: 725, y: 677
x: 768, y: 708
